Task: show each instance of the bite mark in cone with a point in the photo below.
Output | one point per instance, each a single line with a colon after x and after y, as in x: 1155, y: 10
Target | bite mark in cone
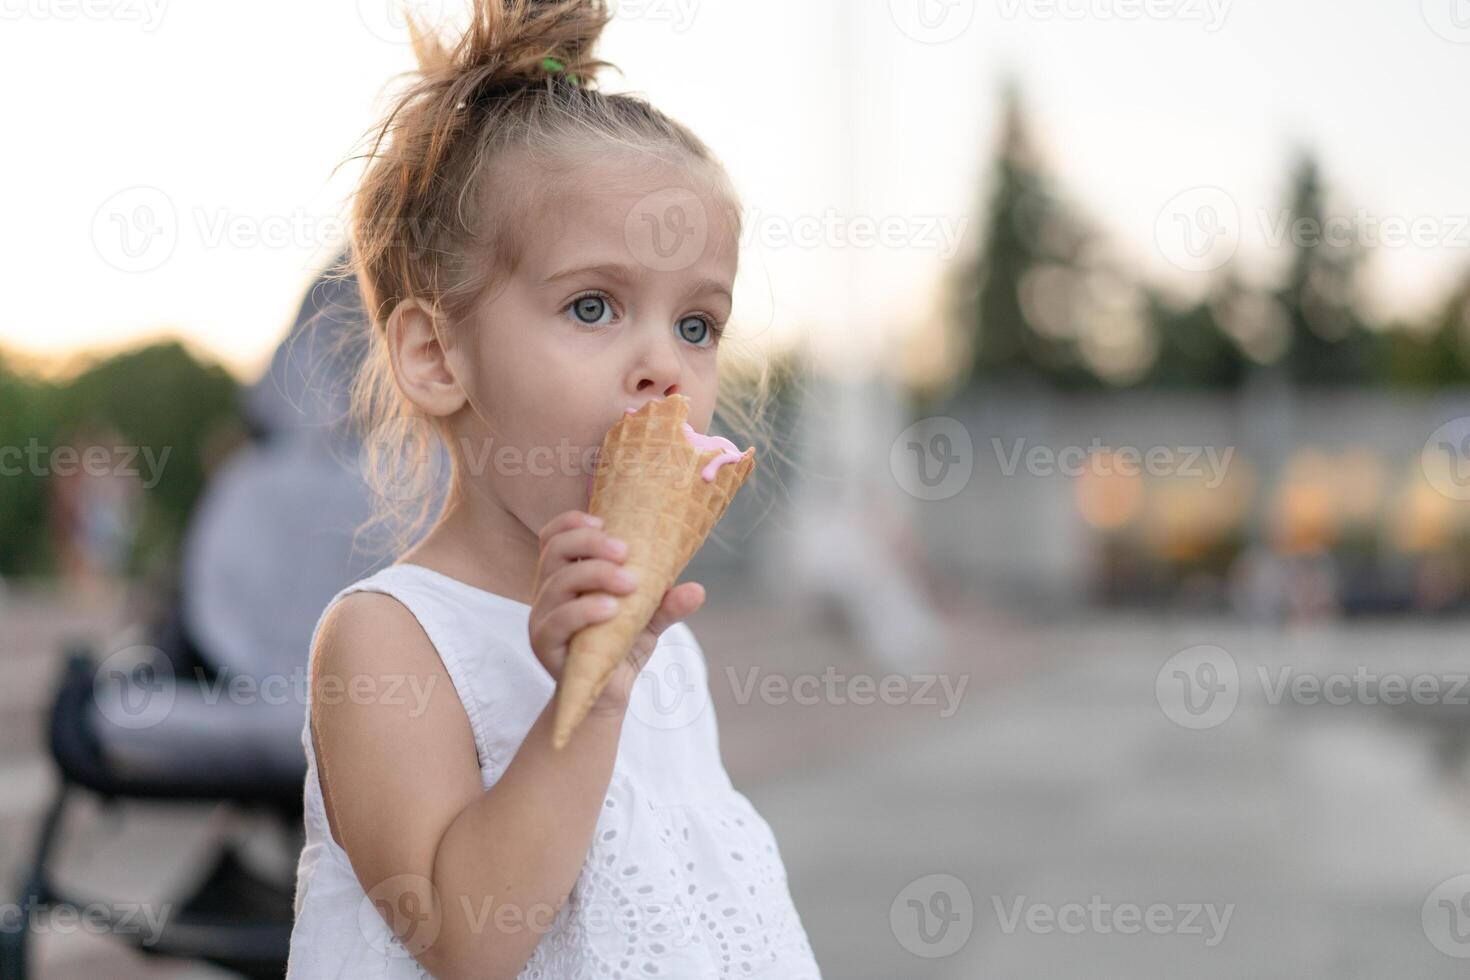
x: 649, y: 491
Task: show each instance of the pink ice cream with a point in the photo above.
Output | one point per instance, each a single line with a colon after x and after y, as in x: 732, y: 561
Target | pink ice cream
x: 702, y: 443
x: 728, y: 452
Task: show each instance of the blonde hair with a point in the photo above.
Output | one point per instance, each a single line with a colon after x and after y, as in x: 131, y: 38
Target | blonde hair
x: 437, y: 214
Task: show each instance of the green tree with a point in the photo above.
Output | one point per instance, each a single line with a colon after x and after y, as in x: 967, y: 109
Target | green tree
x: 1027, y: 229
x: 1438, y: 356
x: 1329, y: 341
x: 1194, y: 352
x: 157, y: 398
x: 26, y: 410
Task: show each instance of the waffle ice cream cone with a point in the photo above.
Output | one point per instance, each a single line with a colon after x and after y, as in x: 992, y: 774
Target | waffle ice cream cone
x: 661, y: 488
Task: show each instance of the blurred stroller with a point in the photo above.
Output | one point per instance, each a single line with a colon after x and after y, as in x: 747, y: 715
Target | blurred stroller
x: 210, y: 708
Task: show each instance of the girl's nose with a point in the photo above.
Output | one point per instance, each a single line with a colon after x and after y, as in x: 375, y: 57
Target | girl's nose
x: 650, y: 384
x: 657, y: 373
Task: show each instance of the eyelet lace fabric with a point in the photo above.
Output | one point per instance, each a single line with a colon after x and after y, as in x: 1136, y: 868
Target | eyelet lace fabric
x: 682, y: 880
x: 686, y: 892
x: 694, y: 891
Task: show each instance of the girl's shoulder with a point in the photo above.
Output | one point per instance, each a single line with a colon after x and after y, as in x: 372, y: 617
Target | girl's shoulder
x: 442, y: 606
x: 467, y: 627
x: 406, y: 580
x: 410, y: 620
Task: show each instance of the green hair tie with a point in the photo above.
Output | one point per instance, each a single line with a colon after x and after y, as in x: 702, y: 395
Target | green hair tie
x: 553, y: 65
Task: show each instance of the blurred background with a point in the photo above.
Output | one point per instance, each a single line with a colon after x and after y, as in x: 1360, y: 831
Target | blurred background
x: 1101, y: 611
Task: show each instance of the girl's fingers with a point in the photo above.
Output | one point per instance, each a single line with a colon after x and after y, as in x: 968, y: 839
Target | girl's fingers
x: 555, y: 630
x: 593, y: 574
x: 565, y: 521
x: 678, y: 602
x: 577, y: 543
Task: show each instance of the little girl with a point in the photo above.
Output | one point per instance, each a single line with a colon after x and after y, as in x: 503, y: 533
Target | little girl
x: 535, y: 258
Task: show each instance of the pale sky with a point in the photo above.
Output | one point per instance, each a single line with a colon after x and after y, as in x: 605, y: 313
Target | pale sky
x: 216, y: 126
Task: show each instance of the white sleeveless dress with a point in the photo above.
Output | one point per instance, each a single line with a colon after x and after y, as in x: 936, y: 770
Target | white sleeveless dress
x: 683, y: 879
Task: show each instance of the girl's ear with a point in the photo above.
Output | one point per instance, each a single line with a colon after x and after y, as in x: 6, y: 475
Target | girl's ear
x: 420, y: 362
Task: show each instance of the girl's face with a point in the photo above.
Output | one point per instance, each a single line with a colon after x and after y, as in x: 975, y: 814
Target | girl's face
x: 619, y: 299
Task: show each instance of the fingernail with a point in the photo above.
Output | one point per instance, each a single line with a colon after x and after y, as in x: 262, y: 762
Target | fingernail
x: 618, y: 545
x: 594, y: 521
x: 606, y: 604
x: 627, y: 577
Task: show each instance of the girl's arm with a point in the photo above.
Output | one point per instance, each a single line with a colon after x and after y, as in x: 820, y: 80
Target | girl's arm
x: 469, y: 879
x: 541, y: 814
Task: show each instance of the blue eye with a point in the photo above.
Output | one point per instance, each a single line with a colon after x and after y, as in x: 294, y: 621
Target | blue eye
x: 590, y: 309
x: 696, y: 329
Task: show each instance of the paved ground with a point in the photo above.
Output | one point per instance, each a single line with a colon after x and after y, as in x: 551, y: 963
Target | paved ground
x: 1322, y: 828
x: 1062, y: 822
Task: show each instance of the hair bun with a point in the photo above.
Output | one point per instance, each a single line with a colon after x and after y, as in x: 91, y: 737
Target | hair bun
x: 508, y: 40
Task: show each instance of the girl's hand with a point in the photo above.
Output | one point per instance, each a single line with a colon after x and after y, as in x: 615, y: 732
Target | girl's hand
x: 578, y: 558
